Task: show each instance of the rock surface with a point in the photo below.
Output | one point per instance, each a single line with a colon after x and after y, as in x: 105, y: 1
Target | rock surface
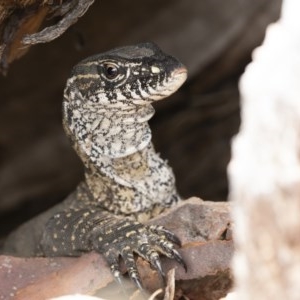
x: 264, y: 171
x: 206, y: 248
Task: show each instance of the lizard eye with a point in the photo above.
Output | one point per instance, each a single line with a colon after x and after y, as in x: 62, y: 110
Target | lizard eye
x: 111, y: 71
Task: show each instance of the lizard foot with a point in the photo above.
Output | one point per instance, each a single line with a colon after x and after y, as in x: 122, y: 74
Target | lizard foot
x: 131, y: 238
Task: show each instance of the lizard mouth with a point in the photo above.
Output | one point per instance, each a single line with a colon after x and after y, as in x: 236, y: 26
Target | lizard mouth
x: 180, y: 75
x: 180, y: 70
x: 176, y: 78
x: 172, y: 82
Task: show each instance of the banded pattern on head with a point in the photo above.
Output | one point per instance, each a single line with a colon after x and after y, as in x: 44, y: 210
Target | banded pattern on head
x: 129, y: 75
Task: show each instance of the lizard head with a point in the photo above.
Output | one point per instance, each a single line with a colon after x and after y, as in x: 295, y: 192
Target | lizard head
x: 127, y: 76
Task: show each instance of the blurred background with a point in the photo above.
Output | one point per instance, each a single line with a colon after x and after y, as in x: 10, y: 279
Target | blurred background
x: 192, y: 129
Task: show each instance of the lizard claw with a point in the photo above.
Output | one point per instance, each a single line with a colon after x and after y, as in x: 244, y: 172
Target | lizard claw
x: 146, y: 241
x: 179, y: 259
x: 131, y: 267
x: 157, y: 265
x: 166, y: 247
x: 147, y: 252
x: 160, y: 230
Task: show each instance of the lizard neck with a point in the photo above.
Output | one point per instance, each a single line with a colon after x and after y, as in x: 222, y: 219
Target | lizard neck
x: 119, y: 132
x: 112, y: 132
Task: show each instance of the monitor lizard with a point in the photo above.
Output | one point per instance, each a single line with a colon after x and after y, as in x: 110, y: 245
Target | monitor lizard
x: 106, y: 106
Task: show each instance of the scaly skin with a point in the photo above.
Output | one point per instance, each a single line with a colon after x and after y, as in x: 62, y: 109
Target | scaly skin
x: 107, y: 103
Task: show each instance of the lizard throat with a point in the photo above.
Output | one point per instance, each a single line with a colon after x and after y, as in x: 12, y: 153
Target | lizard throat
x: 124, y: 132
x: 113, y: 133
